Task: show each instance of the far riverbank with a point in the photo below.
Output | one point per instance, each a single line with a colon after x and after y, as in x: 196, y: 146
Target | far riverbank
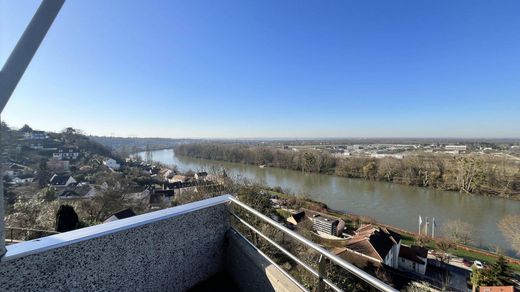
x: 393, y: 204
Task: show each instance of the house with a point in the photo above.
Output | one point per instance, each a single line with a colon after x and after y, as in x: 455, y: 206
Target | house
x: 296, y: 218
x: 201, y: 175
x: 61, y: 181
x: 112, y: 163
x: 69, y: 153
x: 35, y: 135
x: 158, y: 200
x: 58, y: 165
x: 326, y: 225
x: 179, y: 178
x: 126, y: 213
x: 78, y: 192
x: 497, y: 289
x: 358, y: 259
x: 377, y: 243
x: 69, y: 194
x: 20, y: 180
x: 36, y: 145
x: 413, y: 258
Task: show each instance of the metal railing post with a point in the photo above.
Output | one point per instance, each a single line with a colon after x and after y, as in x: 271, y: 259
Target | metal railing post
x: 364, y: 276
x: 322, y: 266
x: 15, y: 66
x: 2, y: 223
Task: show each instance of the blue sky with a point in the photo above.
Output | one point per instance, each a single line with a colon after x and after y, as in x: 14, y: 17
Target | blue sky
x: 271, y: 68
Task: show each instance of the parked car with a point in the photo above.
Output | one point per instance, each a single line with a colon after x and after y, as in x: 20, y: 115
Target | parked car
x: 478, y: 264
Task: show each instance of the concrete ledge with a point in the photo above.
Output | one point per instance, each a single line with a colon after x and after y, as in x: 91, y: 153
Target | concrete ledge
x: 54, y: 241
x: 167, y: 250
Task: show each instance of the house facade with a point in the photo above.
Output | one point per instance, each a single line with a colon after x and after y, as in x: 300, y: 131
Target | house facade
x: 58, y: 165
x: 112, y: 163
x: 325, y: 225
x: 35, y: 135
x: 66, y: 153
x: 61, y: 181
x: 378, y: 243
x: 413, y: 258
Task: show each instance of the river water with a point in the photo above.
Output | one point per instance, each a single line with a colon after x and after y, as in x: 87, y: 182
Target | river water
x: 388, y: 203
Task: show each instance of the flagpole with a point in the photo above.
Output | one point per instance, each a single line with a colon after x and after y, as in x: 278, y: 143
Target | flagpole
x: 433, y: 227
x: 426, y: 227
x: 420, y: 222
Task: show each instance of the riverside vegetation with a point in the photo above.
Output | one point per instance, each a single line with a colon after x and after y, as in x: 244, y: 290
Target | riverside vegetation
x: 470, y: 173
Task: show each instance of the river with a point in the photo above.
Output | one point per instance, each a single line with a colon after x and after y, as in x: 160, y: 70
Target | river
x: 393, y: 204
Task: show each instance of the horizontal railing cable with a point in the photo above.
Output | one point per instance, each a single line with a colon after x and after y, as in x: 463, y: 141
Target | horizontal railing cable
x: 373, y: 281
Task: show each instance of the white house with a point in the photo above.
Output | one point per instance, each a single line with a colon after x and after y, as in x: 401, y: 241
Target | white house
x: 377, y: 243
x: 66, y: 153
x: 112, y: 163
x: 35, y: 135
x: 413, y: 258
x: 62, y: 181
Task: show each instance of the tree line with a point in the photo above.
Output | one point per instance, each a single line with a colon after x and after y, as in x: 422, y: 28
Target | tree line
x: 472, y: 174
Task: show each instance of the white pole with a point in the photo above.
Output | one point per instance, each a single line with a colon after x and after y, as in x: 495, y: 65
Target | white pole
x: 15, y: 66
x: 420, y: 222
x: 433, y: 227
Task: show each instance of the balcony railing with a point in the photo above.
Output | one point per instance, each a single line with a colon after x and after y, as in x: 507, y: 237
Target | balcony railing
x: 324, y: 254
x: 169, y: 249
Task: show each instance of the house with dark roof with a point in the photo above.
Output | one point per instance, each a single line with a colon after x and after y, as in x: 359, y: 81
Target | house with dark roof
x: 296, y: 218
x: 80, y: 191
x: 413, y: 258
x: 201, y: 175
x: 126, y: 213
x: 61, y: 181
x: 378, y: 243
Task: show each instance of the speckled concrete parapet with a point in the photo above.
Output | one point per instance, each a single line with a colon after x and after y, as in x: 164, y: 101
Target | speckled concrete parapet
x: 167, y: 255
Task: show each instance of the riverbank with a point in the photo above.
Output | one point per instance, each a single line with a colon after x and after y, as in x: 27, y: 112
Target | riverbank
x: 468, y: 174
x: 467, y: 252
x: 394, y: 204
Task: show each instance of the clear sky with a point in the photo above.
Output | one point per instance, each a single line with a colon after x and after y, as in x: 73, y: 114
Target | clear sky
x: 281, y: 68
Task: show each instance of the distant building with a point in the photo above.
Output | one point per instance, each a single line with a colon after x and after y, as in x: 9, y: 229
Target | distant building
x: 497, y: 289
x: 19, y: 181
x: 384, y: 155
x: 62, y: 181
x: 112, y: 163
x: 456, y: 147
x: 325, y: 225
x: 378, y: 243
x: 179, y: 178
x: 58, y: 165
x: 296, y: 218
x: 35, y: 135
x: 126, y: 213
x: 201, y: 175
x: 66, y: 153
x: 414, y: 258
x: 78, y: 192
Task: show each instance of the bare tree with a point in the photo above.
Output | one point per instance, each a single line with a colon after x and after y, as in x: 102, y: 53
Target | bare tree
x: 510, y: 227
x: 443, y: 247
x: 458, y: 231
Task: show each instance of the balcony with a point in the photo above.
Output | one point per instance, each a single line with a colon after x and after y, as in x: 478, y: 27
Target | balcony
x: 202, y: 245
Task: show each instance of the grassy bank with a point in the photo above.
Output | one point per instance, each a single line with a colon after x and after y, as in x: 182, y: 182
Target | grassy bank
x: 468, y: 252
